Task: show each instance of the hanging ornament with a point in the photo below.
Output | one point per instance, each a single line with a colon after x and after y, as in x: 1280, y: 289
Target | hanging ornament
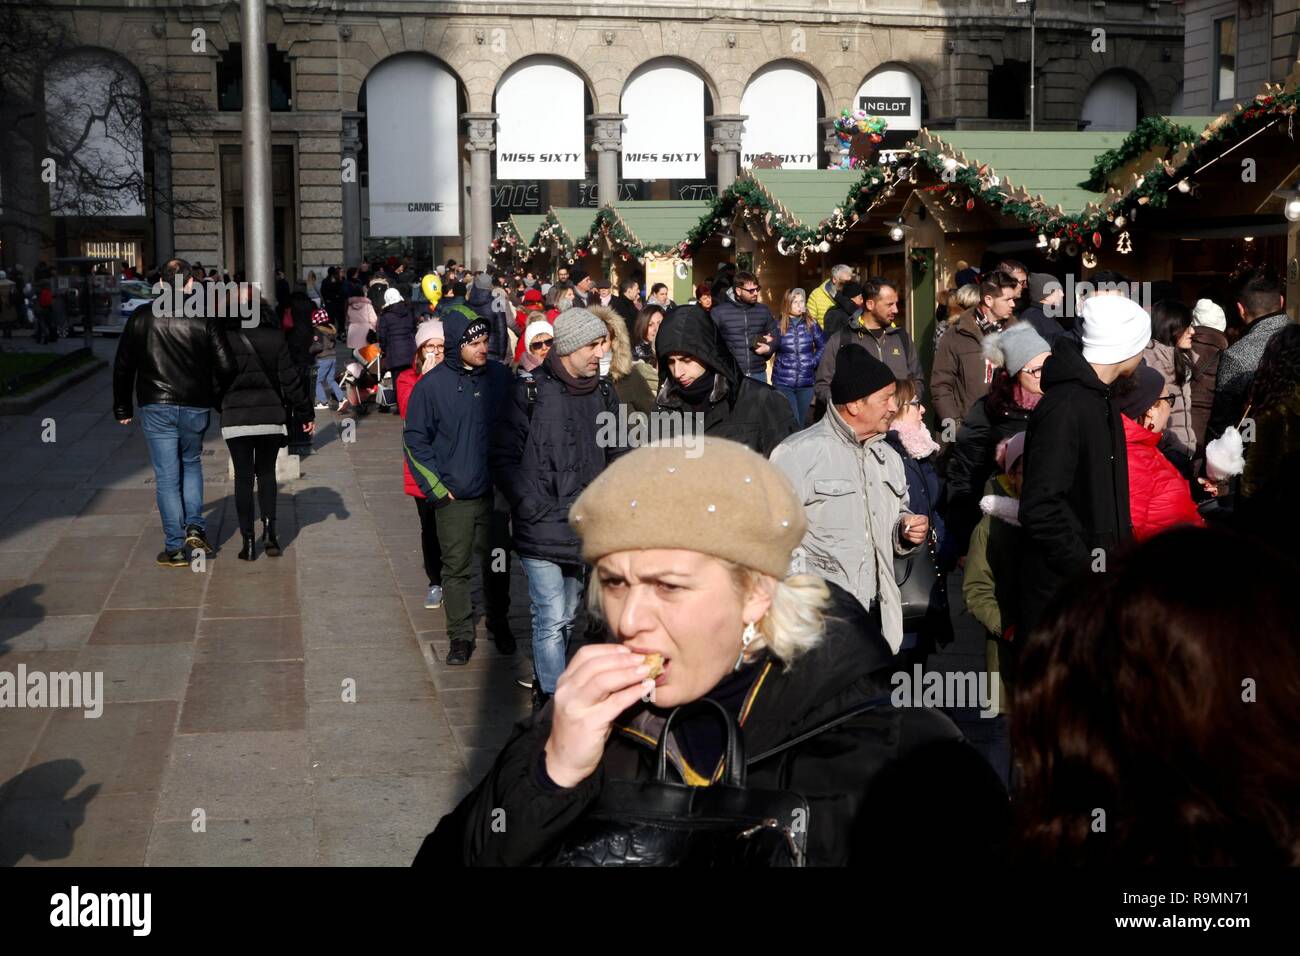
x: 1119, y: 222
x: 1055, y: 243
x: 1042, y: 241
x: 824, y: 246
x: 1089, y: 260
x: 970, y: 204
x: 782, y: 248
x: 1072, y: 249
x: 1125, y: 244
x: 1096, y: 240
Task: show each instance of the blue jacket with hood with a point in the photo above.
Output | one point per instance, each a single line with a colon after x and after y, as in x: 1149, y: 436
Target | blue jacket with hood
x: 448, y: 417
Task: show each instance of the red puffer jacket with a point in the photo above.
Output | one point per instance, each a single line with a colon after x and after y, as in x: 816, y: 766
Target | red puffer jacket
x: 1158, y: 495
x: 405, y: 382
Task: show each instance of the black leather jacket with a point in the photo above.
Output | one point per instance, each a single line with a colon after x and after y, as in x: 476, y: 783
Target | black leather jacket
x: 170, y: 360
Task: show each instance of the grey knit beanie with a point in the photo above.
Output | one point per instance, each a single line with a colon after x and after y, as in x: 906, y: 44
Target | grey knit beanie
x: 1014, y: 348
x: 575, y: 328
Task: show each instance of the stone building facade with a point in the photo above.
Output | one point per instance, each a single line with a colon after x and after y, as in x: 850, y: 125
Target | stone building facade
x: 969, y: 57
x: 1234, y: 47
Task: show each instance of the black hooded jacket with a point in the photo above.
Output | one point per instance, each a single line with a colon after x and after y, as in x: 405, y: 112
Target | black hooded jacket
x: 739, y: 408
x: 839, y: 316
x: 1075, y: 495
x: 544, y: 450
x: 879, y: 780
x: 265, y: 380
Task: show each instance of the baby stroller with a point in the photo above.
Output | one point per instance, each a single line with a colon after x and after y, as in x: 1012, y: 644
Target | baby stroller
x: 362, y: 380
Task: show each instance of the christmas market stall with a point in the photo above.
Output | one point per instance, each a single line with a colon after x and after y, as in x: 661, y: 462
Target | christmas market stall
x: 511, y: 246
x: 645, y: 239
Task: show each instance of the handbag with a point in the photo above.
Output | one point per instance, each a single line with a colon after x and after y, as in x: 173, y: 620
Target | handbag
x: 660, y: 823
x: 275, y: 386
x: 923, y: 587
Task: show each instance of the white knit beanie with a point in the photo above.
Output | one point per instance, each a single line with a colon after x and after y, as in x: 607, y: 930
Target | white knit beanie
x: 1209, y: 315
x: 1115, y: 328
x: 392, y: 297
x: 535, y: 329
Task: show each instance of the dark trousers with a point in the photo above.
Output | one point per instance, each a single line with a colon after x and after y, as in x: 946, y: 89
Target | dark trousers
x: 496, y: 569
x: 462, y: 533
x: 254, y: 457
x: 429, y: 541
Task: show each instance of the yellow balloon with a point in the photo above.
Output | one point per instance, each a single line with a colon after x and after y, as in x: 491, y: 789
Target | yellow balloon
x: 432, y: 286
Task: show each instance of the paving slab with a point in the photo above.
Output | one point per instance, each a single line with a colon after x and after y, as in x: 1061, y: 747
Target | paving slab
x: 231, y: 776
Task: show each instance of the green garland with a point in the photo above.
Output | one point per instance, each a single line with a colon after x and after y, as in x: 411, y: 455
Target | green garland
x: 1151, y: 132
x: 610, y: 224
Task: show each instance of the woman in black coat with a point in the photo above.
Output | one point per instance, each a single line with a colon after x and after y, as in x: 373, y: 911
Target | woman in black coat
x: 796, y: 663
x: 254, y: 422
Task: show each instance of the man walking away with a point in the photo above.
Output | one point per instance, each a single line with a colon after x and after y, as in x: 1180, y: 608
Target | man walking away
x: 1074, y: 505
x: 446, y: 444
x: 545, y: 449
x: 173, y: 366
x: 1260, y: 304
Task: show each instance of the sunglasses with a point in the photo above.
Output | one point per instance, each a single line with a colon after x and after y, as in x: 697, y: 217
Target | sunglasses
x: 751, y: 288
x: 1168, y: 398
x: 539, y: 344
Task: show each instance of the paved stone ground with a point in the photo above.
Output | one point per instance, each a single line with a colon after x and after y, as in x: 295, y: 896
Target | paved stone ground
x: 224, y: 688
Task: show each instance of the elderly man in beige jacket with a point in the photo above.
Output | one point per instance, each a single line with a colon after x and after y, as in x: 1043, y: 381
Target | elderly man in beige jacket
x: 854, y: 490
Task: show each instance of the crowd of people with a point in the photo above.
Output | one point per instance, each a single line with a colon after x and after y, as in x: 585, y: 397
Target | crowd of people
x: 1084, y: 469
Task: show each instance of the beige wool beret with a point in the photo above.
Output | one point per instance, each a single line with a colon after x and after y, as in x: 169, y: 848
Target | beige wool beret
x: 718, y: 498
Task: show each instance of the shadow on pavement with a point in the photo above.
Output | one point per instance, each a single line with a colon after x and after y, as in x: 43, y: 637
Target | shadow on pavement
x: 19, y: 613
x: 48, y: 831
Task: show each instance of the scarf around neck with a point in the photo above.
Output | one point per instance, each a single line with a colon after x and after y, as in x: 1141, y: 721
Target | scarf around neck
x: 916, y: 439
x: 580, y: 386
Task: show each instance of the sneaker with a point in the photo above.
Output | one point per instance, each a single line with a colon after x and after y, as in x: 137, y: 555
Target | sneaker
x: 174, y: 559
x: 504, y: 637
x: 194, y: 538
x: 460, y: 652
x: 322, y: 406
x: 433, y: 599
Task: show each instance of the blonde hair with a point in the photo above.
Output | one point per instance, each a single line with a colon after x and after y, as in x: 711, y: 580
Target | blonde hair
x: 968, y: 295
x: 794, y: 623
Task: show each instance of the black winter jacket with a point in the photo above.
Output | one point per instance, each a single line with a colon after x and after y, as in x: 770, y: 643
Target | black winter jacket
x: 169, y: 360
x: 396, y: 330
x: 893, y: 346
x: 480, y: 300
x: 543, y: 453
x: 972, y: 462
x: 879, y: 780
x: 1075, y: 497
x: 252, y: 398
x: 300, y: 334
x: 741, y: 325
x: 739, y: 408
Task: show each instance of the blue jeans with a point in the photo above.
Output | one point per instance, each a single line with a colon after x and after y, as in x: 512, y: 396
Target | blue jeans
x: 758, y: 376
x: 325, y: 373
x: 554, y: 591
x: 175, y: 437
x: 800, y: 400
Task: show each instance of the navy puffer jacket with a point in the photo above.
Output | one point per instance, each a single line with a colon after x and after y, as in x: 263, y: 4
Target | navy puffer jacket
x: 448, y: 416
x: 797, y: 353
x: 741, y: 325
x: 397, y: 336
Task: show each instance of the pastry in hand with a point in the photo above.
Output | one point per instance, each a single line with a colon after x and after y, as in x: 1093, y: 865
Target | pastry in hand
x: 656, y: 662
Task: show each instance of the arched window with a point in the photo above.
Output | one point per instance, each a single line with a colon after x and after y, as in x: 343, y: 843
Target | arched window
x: 95, y: 130
x: 1008, y: 90
x: 663, y: 135
x: 782, y: 106
x: 541, y: 123
x: 411, y: 148
x: 1111, y: 104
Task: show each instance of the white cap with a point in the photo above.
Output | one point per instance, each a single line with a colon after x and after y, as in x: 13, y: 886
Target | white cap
x: 535, y: 329
x: 392, y: 297
x: 1209, y: 315
x: 1115, y: 328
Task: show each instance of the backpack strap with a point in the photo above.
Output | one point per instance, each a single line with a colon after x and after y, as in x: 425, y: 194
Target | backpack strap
x: 530, y: 390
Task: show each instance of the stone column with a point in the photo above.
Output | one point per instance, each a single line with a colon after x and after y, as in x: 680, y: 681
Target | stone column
x: 164, y: 236
x: 726, y: 143
x: 259, y: 254
x: 830, y: 142
x: 350, y: 143
x: 607, y: 141
x: 481, y: 128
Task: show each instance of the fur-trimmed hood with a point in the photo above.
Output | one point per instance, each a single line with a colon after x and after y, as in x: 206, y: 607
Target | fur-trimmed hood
x: 621, y: 363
